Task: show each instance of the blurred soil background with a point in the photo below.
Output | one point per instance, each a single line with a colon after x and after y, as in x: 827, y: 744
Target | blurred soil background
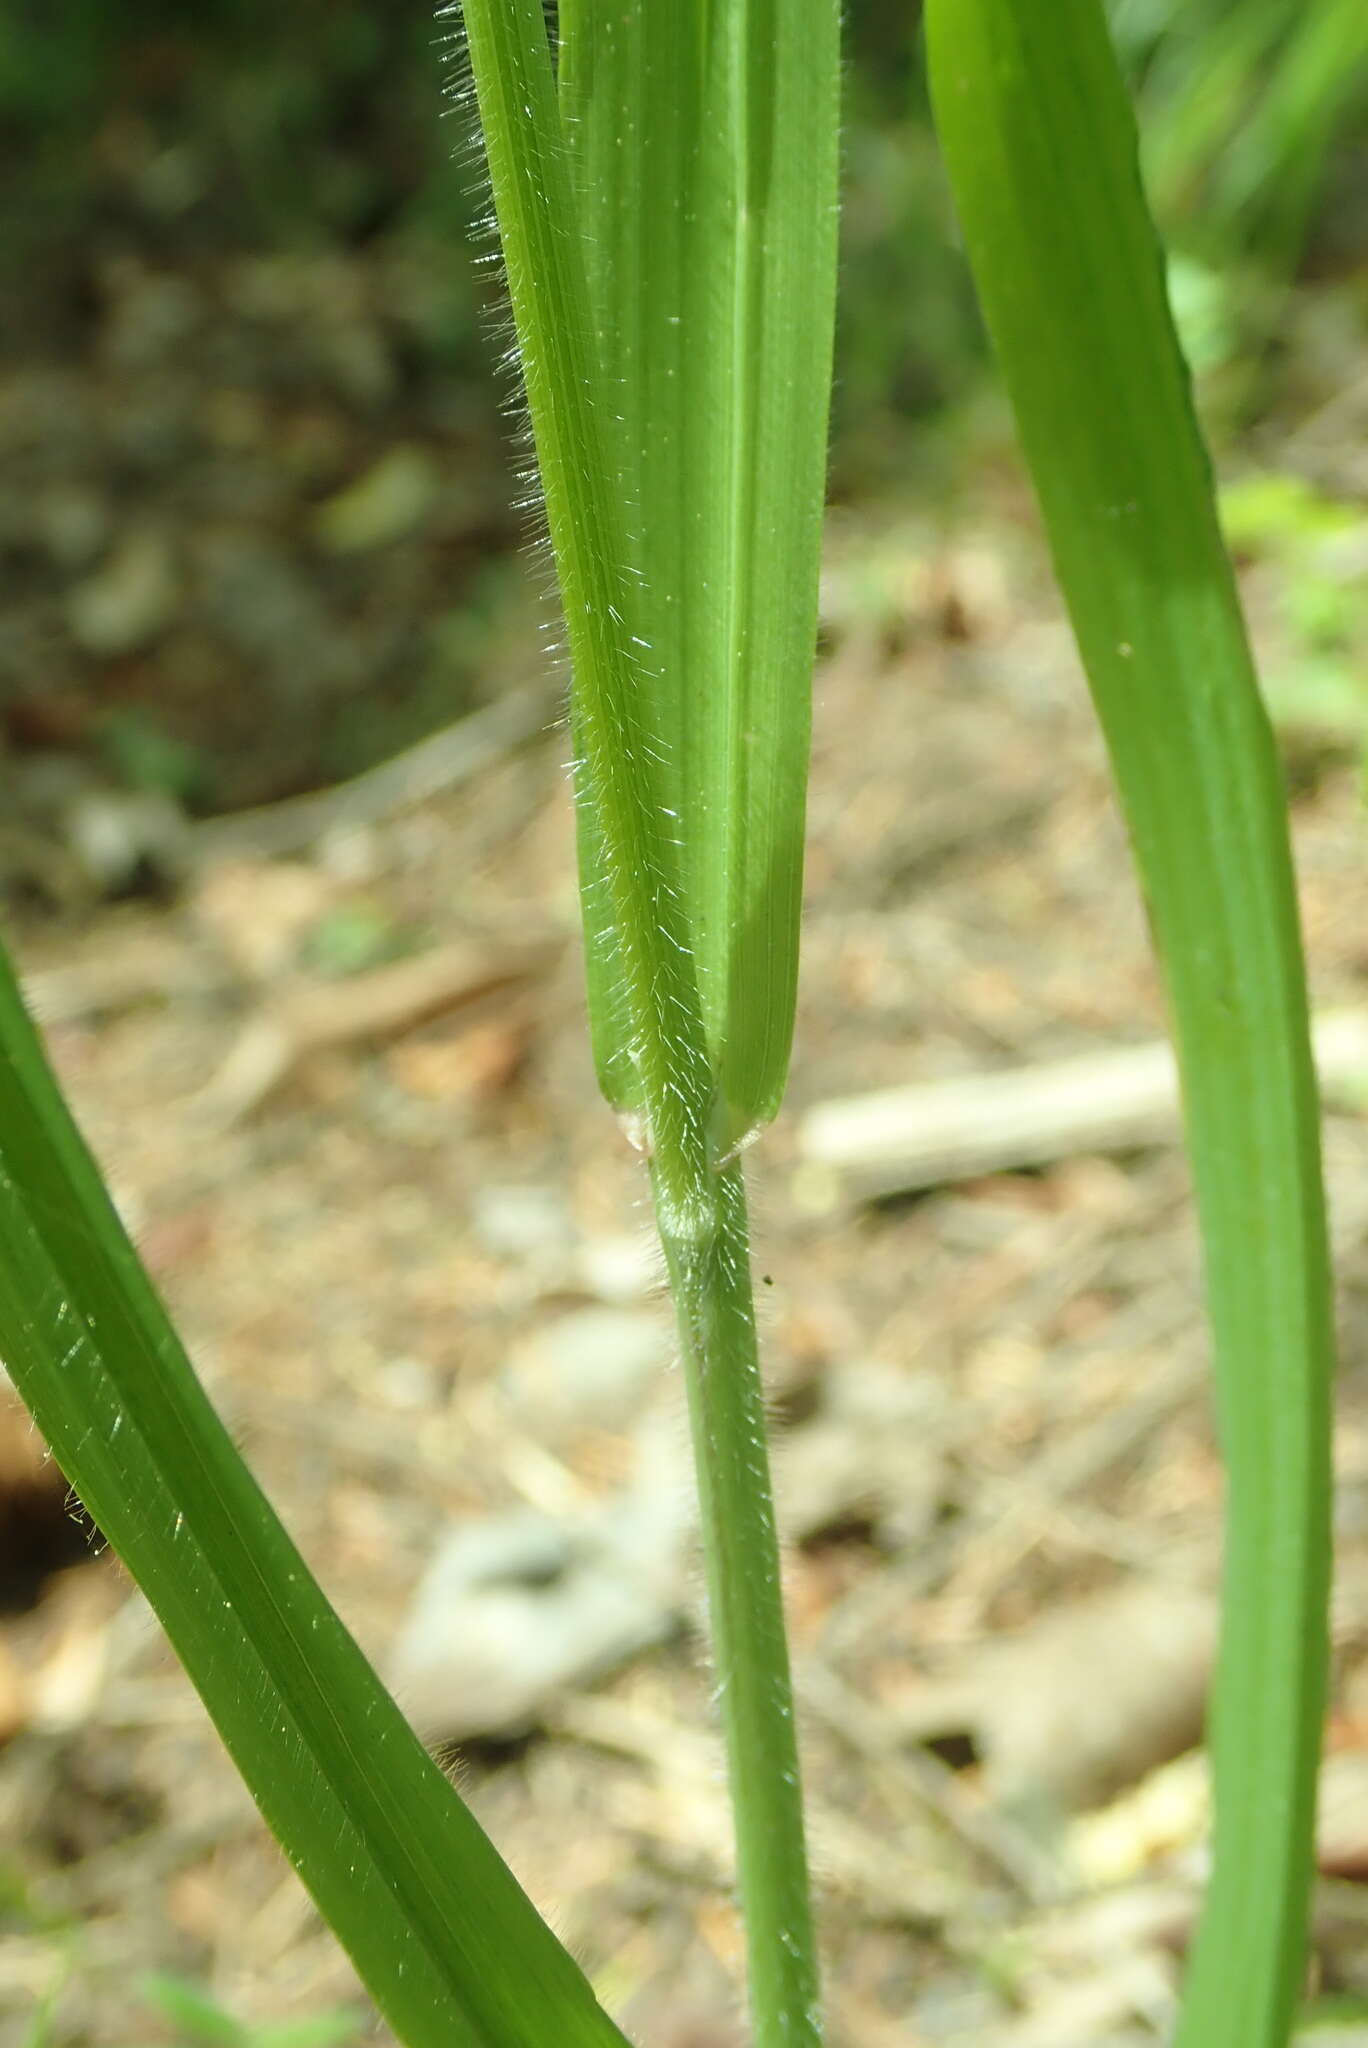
x: 323, y: 1022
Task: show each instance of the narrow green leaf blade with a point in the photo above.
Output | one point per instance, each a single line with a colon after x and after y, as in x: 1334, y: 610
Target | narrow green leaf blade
x: 451, y: 1948
x: 641, y: 961
x: 704, y: 147
x: 1041, y: 148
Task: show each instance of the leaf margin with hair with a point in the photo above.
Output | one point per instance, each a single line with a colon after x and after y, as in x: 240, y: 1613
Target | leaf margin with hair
x: 658, y: 1075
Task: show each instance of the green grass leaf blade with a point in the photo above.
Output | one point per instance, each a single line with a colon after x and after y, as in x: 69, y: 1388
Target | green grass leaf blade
x: 452, y: 1950
x: 704, y: 151
x: 1041, y: 148
x: 193, y: 2011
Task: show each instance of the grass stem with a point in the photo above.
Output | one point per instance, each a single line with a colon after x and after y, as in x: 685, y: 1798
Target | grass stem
x: 711, y: 1281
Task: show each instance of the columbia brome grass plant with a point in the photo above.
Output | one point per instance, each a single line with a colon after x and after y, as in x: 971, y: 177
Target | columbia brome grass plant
x: 664, y: 183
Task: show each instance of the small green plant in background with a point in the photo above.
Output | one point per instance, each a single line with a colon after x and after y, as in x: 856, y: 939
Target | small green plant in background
x: 1243, y: 103
x: 41, y: 2028
x: 1314, y: 677
x: 664, y: 184
x: 199, y: 2021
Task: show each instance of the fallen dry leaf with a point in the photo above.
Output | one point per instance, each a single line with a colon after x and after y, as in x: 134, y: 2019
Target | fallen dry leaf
x: 481, y: 1062
x: 1083, y: 1702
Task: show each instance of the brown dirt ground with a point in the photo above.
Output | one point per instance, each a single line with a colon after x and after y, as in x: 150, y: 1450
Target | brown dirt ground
x: 969, y: 908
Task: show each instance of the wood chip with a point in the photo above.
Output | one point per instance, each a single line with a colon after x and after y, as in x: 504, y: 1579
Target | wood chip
x: 319, y: 1017
x: 902, y: 1139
